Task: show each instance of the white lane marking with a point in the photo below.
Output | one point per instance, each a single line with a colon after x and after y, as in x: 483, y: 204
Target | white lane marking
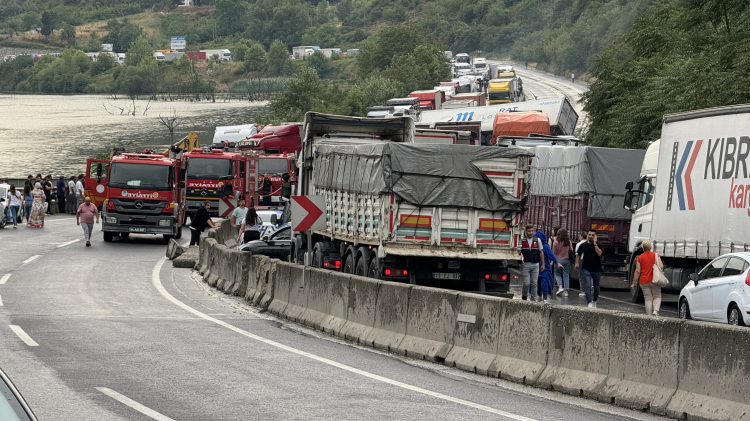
x: 5, y: 278
x: 133, y: 404
x: 30, y: 259
x: 68, y: 243
x: 1, y: 301
x: 157, y: 284
x: 23, y: 335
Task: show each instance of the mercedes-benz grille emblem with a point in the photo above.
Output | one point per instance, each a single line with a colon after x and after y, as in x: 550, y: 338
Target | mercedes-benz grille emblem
x: 138, y: 204
x: 204, y: 192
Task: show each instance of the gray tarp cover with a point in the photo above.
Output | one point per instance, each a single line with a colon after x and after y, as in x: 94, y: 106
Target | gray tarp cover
x: 420, y: 174
x: 600, y: 172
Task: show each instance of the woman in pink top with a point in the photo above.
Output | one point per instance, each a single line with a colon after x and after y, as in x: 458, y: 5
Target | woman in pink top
x: 562, y: 247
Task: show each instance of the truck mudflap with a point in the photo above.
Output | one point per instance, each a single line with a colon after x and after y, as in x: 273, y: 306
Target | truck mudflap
x: 474, y: 275
x: 140, y: 224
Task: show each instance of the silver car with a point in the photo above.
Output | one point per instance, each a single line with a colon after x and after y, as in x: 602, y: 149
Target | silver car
x: 4, y: 188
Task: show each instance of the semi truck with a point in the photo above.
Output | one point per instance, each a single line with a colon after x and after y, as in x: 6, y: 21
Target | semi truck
x: 692, y: 199
x: 431, y: 214
x: 579, y: 188
x: 220, y: 54
x: 503, y: 90
x: 284, y: 139
x: 144, y: 195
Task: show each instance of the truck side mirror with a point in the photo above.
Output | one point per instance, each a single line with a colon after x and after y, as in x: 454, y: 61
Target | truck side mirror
x: 226, y: 189
x: 274, y: 219
x: 628, y: 202
x: 99, y: 170
x: 629, y: 185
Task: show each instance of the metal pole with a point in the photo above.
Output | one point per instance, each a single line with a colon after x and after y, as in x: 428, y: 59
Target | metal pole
x: 308, y: 255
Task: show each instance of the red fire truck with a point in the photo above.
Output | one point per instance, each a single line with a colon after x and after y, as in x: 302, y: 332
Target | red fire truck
x: 144, y: 194
x: 220, y: 177
x: 274, y: 167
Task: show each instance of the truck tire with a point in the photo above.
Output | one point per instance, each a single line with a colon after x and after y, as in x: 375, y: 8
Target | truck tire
x: 3, y: 220
x: 318, y: 256
x: 348, y: 264
x: 363, y: 261
x: 108, y: 236
x: 373, y: 271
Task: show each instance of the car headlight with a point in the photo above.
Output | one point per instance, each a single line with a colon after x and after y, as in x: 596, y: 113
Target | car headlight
x: 165, y: 222
x: 110, y: 219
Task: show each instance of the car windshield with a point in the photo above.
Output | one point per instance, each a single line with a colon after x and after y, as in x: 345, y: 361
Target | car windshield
x: 272, y: 166
x: 266, y: 216
x: 499, y: 95
x: 10, y: 407
x: 208, y: 168
x: 146, y: 176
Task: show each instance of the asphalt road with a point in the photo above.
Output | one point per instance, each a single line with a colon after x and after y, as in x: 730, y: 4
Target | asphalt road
x: 110, y: 332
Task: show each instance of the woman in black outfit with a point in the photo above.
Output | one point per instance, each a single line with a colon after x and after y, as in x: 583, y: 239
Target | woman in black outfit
x: 200, y: 221
x: 250, y: 226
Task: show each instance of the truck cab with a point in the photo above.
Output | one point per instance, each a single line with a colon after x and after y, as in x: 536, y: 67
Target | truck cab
x: 284, y: 139
x: 502, y: 90
x: 144, y: 195
x: 219, y: 177
x: 640, y: 200
x: 274, y: 167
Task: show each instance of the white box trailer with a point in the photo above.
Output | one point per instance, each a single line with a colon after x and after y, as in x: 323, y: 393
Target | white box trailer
x: 443, y: 215
x: 693, y: 197
x: 562, y: 116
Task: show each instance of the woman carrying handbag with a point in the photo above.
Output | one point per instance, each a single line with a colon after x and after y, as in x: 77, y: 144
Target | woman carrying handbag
x: 647, y: 268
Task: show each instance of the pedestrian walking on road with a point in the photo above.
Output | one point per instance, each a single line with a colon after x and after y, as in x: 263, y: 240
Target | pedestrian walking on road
x: 581, y: 240
x: 48, y: 193
x: 545, y: 273
x: 573, y: 78
x: 70, y: 200
x: 85, y: 218
x: 61, y: 189
x: 250, y: 228
x: 28, y: 200
x: 563, y: 248
x: 80, y: 192
x: 199, y: 222
x: 533, y: 260
x: 644, y: 275
x: 589, y: 260
x: 14, y: 201
x: 38, y: 207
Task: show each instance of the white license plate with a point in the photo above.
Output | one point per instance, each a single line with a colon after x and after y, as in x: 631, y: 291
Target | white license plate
x: 441, y: 275
x: 137, y: 229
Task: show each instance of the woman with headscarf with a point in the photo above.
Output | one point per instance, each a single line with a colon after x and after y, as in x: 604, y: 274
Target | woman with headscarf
x: 546, y: 279
x: 38, y: 207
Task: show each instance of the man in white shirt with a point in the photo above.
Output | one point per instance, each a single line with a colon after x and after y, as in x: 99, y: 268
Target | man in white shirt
x: 238, y: 214
x: 79, y: 191
x: 70, y: 200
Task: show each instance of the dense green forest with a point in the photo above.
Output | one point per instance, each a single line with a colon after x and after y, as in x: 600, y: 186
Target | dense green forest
x: 685, y: 55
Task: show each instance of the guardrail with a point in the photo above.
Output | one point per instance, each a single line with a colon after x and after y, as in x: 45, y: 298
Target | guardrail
x: 682, y: 369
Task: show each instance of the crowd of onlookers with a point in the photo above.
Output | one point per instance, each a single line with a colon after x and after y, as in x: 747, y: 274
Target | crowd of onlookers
x: 34, y: 200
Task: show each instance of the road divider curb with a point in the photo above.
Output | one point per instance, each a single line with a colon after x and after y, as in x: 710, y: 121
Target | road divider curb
x: 683, y: 369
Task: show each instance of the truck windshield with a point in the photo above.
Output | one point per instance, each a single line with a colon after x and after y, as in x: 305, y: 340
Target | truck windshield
x: 272, y: 166
x: 146, y: 176
x: 208, y: 168
x: 480, y: 65
x: 499, y: 95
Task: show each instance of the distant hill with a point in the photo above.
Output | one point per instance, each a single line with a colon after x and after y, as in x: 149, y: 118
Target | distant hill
x: 559, y: 35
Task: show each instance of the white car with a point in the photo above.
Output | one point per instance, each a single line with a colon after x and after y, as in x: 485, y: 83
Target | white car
x: 720, y: 292
x: 4, y: 188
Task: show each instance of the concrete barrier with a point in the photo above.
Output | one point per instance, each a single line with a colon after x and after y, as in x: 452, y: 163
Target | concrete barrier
x: 578, y: 351
x: 361, y: 306
x: 522, y: 342
x: 389, y: 327
x: 476, y: 333
x: 277, y: 301
x: 431, y: 317
x: 297, y: 303
x: 174, y: 249
x: 642, y: 362
x: 204, y: 255
x: 256, y: 282
x: 327, y: 299
x: 714, y: 373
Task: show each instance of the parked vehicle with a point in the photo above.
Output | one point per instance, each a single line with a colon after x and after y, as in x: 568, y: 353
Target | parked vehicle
x: 522, y: 123
x: 4, y: 188
x: 503, y: 90
x: 429, y: 100
x: 196, y: 55
x: 225, y: 137
x: 159, y: 56
x: 220, y: 54
x: 216, y: 175
x: 144, y: 195
x: 284, y: 139
x: 461, y: 69
x: 720, y: 292
x: 277, y: 245
x: 463, y: 58
x: 479, y: 66
x: 562, y: 116
x: 578, y: 188
x: 692, y: 197
x: 479, y: 97
x: 405, y: 212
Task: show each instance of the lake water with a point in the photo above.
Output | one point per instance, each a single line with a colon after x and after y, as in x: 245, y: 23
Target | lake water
x: 53, y: 134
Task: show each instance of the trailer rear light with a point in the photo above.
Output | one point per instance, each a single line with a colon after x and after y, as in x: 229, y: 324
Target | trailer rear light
x: 747, y: 278
x: 395, y: 272
x: 502, y: 277
x: 332, y: 264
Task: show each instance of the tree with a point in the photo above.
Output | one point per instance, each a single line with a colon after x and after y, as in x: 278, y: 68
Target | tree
x: 139, y: 52
x: 278, y: 57
x: 121, y: 34
x: 306, y: 92
x: 69, y: 34
x: 320, y: 63
x: 231, y: 16
x: 48, y: 23
x: 255, y: 59
x: 240, y: 51
x: 375, y: 90
x: 103, y: 63
x: 390, y: 43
